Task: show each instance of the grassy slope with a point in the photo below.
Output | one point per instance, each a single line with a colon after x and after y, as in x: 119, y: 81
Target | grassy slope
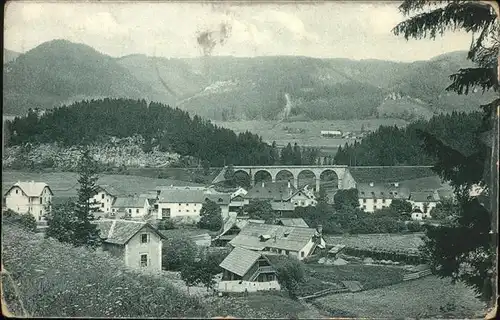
x: 409, y: 241
x: 426, y: 297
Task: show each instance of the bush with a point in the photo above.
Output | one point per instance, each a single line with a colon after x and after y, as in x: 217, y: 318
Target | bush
x: 165, y: 224
x: 25, y: 220
x: 57, y: 280
x: 415, y: 226
x: 178, y: 252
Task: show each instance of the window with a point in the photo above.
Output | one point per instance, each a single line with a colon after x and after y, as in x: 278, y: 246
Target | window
x: 102, y: 205
x: 165, y: 213
x: 383, y: 200
x: 302, y: 254
x: 130, y: 211
x: 187, y: 204
x: 144, y: 238
x: 107, y: 200
x: 102, y: 196
x: 287, y: 252
x: 364, y: 200
x: 136, y: 210
x: 17, y: 191
x: 180, y: 204
x: 144, y: 260
x: 41, y: 200
x: 187, y: 210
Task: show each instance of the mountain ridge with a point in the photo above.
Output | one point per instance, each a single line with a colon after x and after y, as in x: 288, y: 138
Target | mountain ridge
x: 236, y: 88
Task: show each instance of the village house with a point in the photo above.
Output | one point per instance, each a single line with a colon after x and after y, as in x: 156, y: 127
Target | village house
x: 183, y: 203
x: 132, y: 207
x: 424, y: 201
x: 30, y: 197
x: 247, y: 270
x: 105, y: 197
x: 282, y: 208
x: 222, y: 200
x: 298, y: 242
x: 138, y: 244
x: 232, y: 227
x: 238, y: 200
x: 279, y: 192
x: 373, y: 196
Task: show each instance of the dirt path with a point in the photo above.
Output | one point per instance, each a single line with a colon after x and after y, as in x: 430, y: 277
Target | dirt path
x: 311, y: 312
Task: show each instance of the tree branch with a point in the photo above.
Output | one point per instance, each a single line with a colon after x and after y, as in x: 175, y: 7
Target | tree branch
x: 470, y: 78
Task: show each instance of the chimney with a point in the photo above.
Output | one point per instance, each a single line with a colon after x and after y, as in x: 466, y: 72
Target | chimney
x: 371, y: 184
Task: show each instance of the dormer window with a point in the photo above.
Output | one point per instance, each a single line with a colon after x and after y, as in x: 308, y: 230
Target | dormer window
x: 286, y: 234
x: 220, y: 200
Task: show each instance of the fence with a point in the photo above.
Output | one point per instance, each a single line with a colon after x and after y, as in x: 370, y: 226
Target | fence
x: 241, y: 286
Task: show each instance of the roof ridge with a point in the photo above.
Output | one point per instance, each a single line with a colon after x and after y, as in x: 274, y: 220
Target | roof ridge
x: 111, y: 229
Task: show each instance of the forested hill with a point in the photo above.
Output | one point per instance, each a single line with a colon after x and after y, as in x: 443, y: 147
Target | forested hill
x: 389, y: 146
x: 171, y: 129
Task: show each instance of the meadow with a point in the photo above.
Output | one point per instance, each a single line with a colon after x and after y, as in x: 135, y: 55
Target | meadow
x: 306, y: 133
x: 64, y: 184
x: 406, y: 242
x: 423, y: 298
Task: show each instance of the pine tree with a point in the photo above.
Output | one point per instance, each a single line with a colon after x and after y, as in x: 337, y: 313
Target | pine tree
x: 464, y: 249
x: 85, y: 232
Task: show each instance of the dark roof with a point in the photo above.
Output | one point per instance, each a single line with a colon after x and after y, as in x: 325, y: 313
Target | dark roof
x: 293, y: 222
x: 382, y: 191
x: 30, y: 188
x: 271, y: 191
x: 219, y: 198
x: 182, y: 196
x: 129, y: 202
x: 389, y: 173
x: 280, y: 237
x: 121, y: 231
x: 424, y: 196
x: 240, y: 260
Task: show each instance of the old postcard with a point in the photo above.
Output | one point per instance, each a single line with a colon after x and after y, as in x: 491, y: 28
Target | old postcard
x: 230, y: 159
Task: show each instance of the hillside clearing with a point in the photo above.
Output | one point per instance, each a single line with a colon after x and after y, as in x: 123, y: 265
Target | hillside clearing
x: 426, y: 297
x: 406, y: 242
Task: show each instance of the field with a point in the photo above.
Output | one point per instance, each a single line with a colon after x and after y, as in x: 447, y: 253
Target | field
x: 310, y: 135
x: 64, y: 184
x: 406, y: 242
x: 426, y: 297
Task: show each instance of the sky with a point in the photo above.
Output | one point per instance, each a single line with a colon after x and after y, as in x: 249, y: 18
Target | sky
x: 352, y: 29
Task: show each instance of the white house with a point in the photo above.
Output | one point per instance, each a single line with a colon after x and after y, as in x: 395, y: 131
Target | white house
x: 298, y: 242
x: 138, y: 244
x: 133, y: 207
x: 373, y: 196
x: 279, y: 192
x: 29, y: 197
x: 180, y: 203
x: 105, y: 197
x: 424, y: 201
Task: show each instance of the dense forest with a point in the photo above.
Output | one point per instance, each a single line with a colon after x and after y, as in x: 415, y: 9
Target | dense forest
x: 171, y: 129
x: 390, y: 145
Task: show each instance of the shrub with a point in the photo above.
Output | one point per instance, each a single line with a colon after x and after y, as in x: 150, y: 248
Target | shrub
x: 165, y: 224
x: 178, y: 252
x: 415, y: 226
x: 25, y: 220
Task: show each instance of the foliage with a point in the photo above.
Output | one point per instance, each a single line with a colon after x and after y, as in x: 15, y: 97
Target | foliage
x: 178, y: 253
x: 61, y: 222
x: 210, y: 216
x: 229, y: 178
x: 26, y: 220
x: 166, y: 224
x: 347, y: 198
x: 462, y: 249
x: 56, y: 279
x: 260, y: 209
x: 401, y: 206
x: 290, y: 272
x: 445, y: 209
x: 203, y: 270
x: 415, y: 226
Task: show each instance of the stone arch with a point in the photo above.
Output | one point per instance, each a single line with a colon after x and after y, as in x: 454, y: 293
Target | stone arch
x: 329, y: 180
x: 284, y: 176
x: 306, y: 177
x: 262, y: 176
x: 242, y: 178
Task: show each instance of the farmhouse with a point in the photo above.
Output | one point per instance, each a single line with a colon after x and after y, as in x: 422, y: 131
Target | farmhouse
x: 133, y: 207
x: 374, y: 196
x: 247, y: 270
x: 232, y: 227
x: 279, y: 192
x: 293, y: 222
x: 105, y: 197
x: 180, y: 202
x: 299, y: 242
x: 30, y: 197
x: 137, y: 243
x: 424, y: 201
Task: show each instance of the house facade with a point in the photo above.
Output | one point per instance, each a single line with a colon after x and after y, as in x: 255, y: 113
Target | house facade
x: 30, y: 197
x: 373, y: 196
x: 222, y: 200
x: 299, y: 242
x: 138, y: 244
x: 424, y: 201
x: 105, y: 197
x: 247, y: 270
x: 133, y: 207
x: 180, y: 203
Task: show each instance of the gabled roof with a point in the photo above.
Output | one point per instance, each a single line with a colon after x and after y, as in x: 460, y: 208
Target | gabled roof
x: 110, y: 190
x: 240, y: 260
x: 382, y: 191
x: 129, y: 202
x: 219, y: 198
x: 31, y: 188
x: 121, y: 231
x: 424, y: 196
x: 293, y: 222
x: 280, y: 237
x: 181, y: 196
x: 271, y: 191
x: 282, y: 206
